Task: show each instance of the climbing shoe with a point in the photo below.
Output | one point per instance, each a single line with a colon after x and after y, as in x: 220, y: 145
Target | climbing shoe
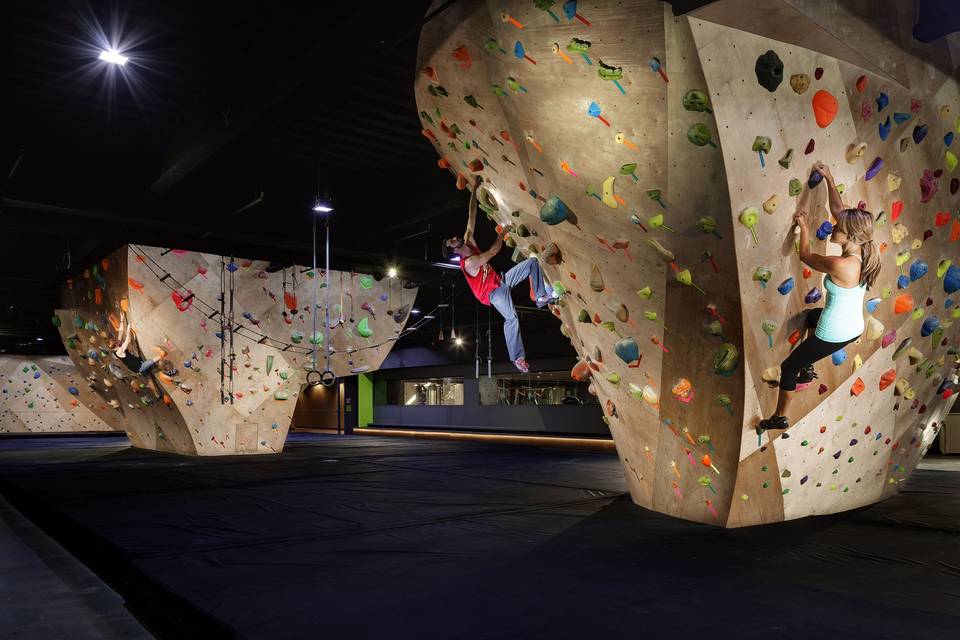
x: 774, y: 422
x: 521, y: 365
x: 807, y: 375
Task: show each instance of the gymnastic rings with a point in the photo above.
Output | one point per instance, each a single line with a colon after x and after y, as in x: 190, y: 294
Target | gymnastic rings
x: 327, y: 378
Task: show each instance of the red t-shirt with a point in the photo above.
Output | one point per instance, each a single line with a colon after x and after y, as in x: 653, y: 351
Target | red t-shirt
x: 486, y: 280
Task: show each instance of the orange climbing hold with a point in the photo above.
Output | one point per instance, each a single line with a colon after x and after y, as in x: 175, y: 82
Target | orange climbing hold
x: 290, y: 300
x: 105, y: 265
x: 861, y: 84
x: 476, y: 165
x: 428, y: 134
x: 888, y: 378
x: 903, y: 303
x: 136, y: 285
x: 955, y: 231
x: 581, y: 371
x: 825, y: 108
x: 461, y: 182
x: 98, y: 296
x: 857, y: 387
x: 443, y: 163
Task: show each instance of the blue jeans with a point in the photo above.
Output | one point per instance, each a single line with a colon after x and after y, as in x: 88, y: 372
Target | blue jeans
x: 500, y: 298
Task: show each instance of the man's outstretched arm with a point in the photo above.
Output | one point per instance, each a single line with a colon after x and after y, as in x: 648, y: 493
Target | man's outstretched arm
x: 472, y: 212
x: 474, y: 262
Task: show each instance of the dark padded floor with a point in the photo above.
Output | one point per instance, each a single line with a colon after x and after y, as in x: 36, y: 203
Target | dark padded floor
x: 366, y: 537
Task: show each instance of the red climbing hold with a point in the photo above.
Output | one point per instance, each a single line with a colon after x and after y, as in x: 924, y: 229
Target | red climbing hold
x: 809, y: 148
x: 955, y: 231
x: 888, y: 378
x: 818, y: 73
x: 861, y: 84
x: 896, y: 209
x: 857, y: 387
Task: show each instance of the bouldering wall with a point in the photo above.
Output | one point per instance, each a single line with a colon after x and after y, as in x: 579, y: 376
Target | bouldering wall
x: 860, y: 429
x: 593, y: 126
x: 45, y: 394
x: 172, y: 299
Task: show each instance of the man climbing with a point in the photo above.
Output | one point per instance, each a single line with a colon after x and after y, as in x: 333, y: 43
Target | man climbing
x: 490, y: 287
x: 135, y: 364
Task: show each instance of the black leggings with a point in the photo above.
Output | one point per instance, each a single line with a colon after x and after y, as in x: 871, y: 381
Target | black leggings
x: 808, y: 352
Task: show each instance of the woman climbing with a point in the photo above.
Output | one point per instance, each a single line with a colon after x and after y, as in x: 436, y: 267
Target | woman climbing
x: 848, y: 276
x: 135, y: 364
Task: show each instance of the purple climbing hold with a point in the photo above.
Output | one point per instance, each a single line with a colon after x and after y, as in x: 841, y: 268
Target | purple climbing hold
x: 815, y: 178
x: 837, y: 455
x: 853, y: 442
x: 919, y: 133
x: 813, y: 295
x: 874, y: 169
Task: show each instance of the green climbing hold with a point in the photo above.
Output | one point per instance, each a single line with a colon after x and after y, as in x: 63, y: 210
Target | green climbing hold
x: 269, y: 364
x: 366, y: 281
x: 280, y: 394
x: 363, y: 328
x: 317, y: 339
x: 56, y: 321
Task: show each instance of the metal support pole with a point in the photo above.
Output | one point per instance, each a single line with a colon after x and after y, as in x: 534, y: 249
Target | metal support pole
x: 326, y: 341
x: 313, y: 336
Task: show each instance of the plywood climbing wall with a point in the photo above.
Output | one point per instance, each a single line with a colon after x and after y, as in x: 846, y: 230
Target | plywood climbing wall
x: 610, y: 138
x: 172, y: 299
x: 46, y: 394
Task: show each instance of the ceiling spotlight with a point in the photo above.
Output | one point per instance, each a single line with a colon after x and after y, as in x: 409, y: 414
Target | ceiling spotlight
x: 458, y: 342
x: 392, y: 272
x: 415, y: 311
x: 455, y: 258
x: 319, y: 206
x: 113, y: 57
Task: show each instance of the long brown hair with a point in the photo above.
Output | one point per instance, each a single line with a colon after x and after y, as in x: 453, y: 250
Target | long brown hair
x: 857, y: 225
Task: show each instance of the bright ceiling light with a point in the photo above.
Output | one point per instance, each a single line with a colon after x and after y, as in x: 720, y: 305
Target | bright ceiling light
x: 415, y: 311
x: 459, y: 342
x: 320, y: 207
x: 392, y: 272
x: 113, y: 57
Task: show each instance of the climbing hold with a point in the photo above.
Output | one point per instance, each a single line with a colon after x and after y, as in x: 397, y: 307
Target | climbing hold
x: 919, y: 133
x: 694, y: 100
x: 786, y: 159
x: 855, y: 152
x: 657, y: 196
x: 861, y: 84
x: 596, y: 280
x: 882, y: 101
x: 785, y: 287
x: 628, y: 350
x: 824, y: 230
x: 928, y: 186
x: 799, y: 82
x: 930, y: 324
x: 810, y: 147
x: 839, y: 356
x: 363, y: 328
x: 874, y: 169
x: 903, y: 303
x: 770, y: 204
x: 900, y: 117
x: 813, y: 296
x: 762, y: 275
x: 825, y: 108
x: 609, y: 198
x: 749, y: 217
x: 951, y: 159
x: 761, y: 144
x: 884, y: 128
x: 951, y: 280
x: 815, y: 178
x: 769, y: 327
x: 893, y: 182
x: 726, y: 359
x: 917, y: 270
x: 699, y: 135
x: 555, y: 211
x: 795, y: 187
x: 611, y: 73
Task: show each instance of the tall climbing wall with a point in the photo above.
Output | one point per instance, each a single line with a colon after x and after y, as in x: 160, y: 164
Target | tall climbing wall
x: 594, y: 128
x: 859, y: 431
x: 45, y: 394
x: 172, y: 299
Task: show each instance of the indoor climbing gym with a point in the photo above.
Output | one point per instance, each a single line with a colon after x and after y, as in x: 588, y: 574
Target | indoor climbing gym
x: 480, y: 319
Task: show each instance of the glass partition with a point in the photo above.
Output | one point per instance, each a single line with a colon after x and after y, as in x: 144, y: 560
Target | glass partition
x: 543, y: 388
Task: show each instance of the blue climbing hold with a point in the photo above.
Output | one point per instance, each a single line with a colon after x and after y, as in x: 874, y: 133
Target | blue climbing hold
x: 872, y: 304
x: 948, y: 303
x: 917, y: 270
x: 951, y: 279
x: 813, y: 295
x: 554, y: 211
x: 919, y: 133
x: 929, y: 326
x: 36, y: 375
x: 824, y: 230
x: 900, y: 117
x: 786, y: 286
x: 885, y: 128
x: 383, y: 297
x: 627, y: 350
x: 232, y: 266
x: 903, y: 282
x: 73, y: 391
x: 839, y: 357
x: 948, y: 139
x: 882, y: 101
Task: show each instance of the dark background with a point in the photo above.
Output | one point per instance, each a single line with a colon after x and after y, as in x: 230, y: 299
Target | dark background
x: 222, y: 101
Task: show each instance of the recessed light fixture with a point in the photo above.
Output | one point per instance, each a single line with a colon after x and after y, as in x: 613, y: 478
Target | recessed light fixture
x: 415, y: 311
x: 459, y: 342
x: 392, y: 272
x: 113, y: 57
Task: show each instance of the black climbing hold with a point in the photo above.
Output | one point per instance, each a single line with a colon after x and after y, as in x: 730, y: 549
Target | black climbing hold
x: 769, y: 70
